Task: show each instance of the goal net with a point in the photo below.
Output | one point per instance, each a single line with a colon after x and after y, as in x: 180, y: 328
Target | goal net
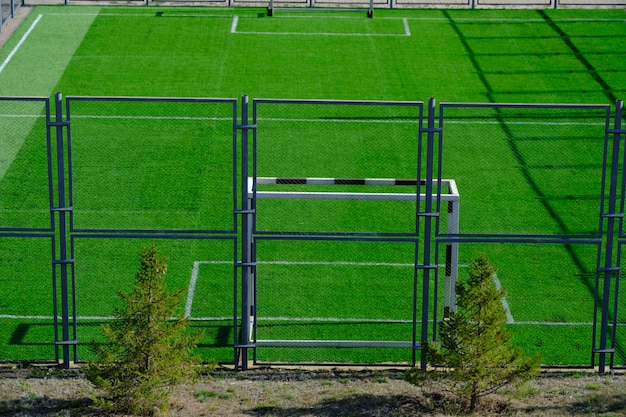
x: 342, y: 191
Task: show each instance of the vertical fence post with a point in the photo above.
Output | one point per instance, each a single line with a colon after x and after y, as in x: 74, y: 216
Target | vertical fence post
x: 608, y: 269
x: 427, y: 214
x: 247, y: 276
x: 62, y: 261
x: 611, y: 267
x: 619, y: 132
x: 619, y: 113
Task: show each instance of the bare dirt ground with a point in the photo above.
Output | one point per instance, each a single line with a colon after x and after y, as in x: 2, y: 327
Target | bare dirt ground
x: 46, y: 391
x: 9, y: 27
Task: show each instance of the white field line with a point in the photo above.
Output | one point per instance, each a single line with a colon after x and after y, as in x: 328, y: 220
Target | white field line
x: 233, y: 26
x: 19, y: 44
x: 192, y: 288
x: 83, y: 116
x: 505, y: 304
x: 405, y: 23
x: 323, y: 34
x: 407, y: 31
x: 196, y: 268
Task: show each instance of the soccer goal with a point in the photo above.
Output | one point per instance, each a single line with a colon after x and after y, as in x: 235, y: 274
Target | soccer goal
x: 449, y: 197
x: 271, y: 9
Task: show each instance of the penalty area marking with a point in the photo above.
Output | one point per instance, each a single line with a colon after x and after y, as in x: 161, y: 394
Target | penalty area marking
x: 405, y: 23
x: 505, y: 304
x: 196, y: 270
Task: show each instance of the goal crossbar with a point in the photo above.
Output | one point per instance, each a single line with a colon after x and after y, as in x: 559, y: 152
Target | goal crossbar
x: 452, y: 194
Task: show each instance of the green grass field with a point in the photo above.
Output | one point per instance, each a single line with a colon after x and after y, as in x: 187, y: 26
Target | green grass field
x: 168, y: 165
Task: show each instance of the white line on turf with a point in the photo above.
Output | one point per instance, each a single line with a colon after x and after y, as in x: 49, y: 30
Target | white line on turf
x: 36, y: 317
x: 19, y: 44
x: 196, y: 270
x: 233, y: 27
x: 86, y: 116
x: 314, y: 263
x: 407, y: 31
x: 505, y: 304
x: 192, y: 288
x: 325, y: 34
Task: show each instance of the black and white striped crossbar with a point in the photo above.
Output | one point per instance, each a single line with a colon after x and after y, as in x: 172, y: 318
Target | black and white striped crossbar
x: 451, y: 194
x: 336, y: 181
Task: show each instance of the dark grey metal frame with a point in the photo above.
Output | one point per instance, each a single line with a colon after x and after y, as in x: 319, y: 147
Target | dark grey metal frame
x: 67, y: 229
x: 606, y: 238
x: 249, y: 335
x: 51, y: 231
x: 62, y: 234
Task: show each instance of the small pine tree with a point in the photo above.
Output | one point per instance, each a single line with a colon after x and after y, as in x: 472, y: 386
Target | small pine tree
x: 147, y: 350
x: 475, y: 345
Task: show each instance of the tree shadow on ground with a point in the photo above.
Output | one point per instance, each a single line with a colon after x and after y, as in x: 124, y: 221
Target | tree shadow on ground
x: 353, y: 405
x: 43, y: 406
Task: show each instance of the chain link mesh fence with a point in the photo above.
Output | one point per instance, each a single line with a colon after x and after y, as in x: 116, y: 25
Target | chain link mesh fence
x: 24, y: 165
x: 152, y: 165
x: 534, y: 171
x: 25, y: 231
x: 162, y: 168
x: 201, y: 270
x: 326, y: 290
x: 338, y: 271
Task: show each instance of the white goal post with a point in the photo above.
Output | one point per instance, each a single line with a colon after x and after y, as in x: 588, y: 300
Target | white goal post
x: 451, y: 197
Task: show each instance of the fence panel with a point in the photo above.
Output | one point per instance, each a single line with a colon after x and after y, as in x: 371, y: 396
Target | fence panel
x: 25, y: 184
x: 201, y: 269
x: 322, y: 247
x: 26, y: 230
x: 154, y: 170
x: 161, y: 164
x: 535, y: 180
x: 337, y: 231
x: 529, y: 170
x: 549, y: 295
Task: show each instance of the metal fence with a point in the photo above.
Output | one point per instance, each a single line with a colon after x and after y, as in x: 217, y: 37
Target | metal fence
x: 392, y: 4
x: 8, y: 8
x: 312, y: 231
